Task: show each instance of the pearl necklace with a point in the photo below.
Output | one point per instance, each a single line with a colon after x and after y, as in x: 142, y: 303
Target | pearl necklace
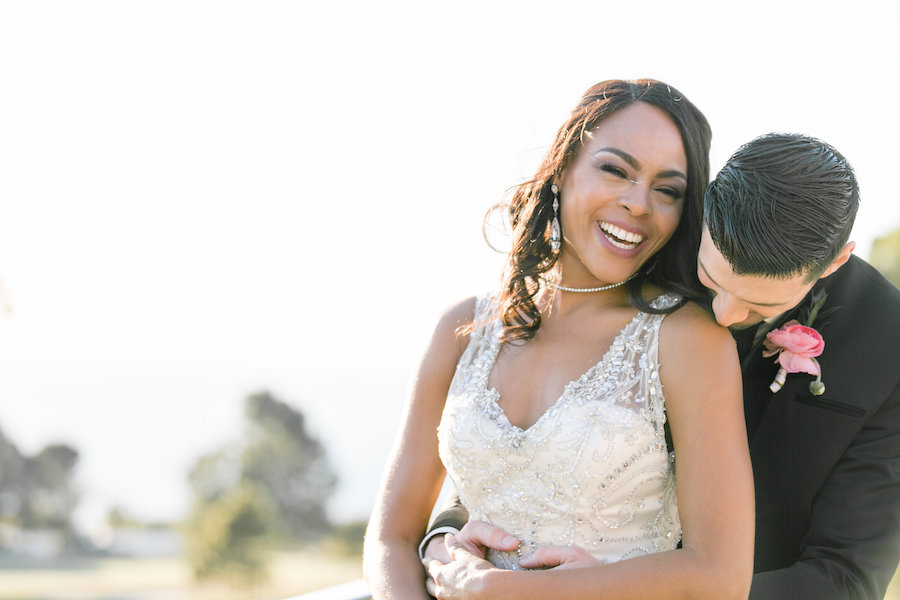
x: 602, y: 288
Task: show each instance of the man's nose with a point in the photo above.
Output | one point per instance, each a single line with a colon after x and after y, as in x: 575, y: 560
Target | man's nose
x: 728, y: 311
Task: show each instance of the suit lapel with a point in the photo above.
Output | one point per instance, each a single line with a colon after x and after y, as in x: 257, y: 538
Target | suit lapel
x: 758, y: 372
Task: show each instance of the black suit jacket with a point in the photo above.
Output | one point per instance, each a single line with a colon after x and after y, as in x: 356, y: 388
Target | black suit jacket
x: 826, y: 468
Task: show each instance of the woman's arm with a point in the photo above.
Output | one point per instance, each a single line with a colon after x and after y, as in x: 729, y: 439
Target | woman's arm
x: 414, y: 473
x: 701, y: 378
x: 700, y: 371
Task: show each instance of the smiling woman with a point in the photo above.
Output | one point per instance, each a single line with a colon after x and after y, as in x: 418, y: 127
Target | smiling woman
x: 548, y: 396
x: 579, y: 160
x: 604, y: 244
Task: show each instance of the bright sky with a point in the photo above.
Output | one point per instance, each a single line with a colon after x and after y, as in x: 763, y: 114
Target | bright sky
x: 204, y: 198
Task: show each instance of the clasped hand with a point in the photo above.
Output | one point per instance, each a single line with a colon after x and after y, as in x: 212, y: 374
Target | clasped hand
x: 457, y: 567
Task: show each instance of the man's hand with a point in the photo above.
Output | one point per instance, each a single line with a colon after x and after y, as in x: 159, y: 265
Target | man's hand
x: 558, y: 557
x: 436, y: 549
x: 475, y: 538
x: 478, y: 536
x: 461, y: 577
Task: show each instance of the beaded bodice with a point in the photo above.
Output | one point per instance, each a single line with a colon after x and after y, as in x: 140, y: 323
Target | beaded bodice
x: 593, y: 471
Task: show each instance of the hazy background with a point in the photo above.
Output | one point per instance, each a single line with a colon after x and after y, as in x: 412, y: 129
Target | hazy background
x: 205, y: 199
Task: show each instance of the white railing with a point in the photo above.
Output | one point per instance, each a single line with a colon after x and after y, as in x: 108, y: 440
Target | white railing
x: 352, y: 590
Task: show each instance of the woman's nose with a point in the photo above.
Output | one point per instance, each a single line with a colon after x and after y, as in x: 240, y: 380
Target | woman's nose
x: 636, y: 199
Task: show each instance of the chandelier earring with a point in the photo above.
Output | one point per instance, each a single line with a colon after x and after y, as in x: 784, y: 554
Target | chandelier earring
x: 555, y: 233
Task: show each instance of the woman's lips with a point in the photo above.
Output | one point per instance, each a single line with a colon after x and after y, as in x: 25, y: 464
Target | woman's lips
x: 621, y: 238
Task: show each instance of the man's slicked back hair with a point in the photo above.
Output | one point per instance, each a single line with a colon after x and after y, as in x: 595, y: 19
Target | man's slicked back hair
x: 783, y: 205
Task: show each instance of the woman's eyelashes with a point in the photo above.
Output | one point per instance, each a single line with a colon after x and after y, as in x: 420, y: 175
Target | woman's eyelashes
x: 673, y: 193
x: 614, y: 170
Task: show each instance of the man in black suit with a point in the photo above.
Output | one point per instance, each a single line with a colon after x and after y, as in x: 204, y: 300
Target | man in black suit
x: 826, y: 463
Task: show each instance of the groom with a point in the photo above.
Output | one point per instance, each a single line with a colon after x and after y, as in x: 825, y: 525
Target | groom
x: 826, y: 464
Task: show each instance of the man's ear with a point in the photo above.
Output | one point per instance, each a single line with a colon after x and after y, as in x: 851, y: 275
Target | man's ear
x: 842, y: 257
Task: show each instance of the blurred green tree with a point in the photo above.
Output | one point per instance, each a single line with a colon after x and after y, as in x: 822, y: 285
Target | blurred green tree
x: 289, y: 475
x: 12, y: 463
x: 37, y: 491
x: 282, y: 458
x: 47, y: 488
x: 216, y: 473
x: 885, y: 256
x: 226, y: 537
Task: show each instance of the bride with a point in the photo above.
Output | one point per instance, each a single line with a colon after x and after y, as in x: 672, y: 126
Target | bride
x: 552, y: 400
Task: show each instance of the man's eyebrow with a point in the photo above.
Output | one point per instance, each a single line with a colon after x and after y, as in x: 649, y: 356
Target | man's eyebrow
x: 715, y: 283
x: 633, y: 163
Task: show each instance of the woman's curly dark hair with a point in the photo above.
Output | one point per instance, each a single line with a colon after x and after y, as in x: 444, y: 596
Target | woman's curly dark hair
x: 673, y: 268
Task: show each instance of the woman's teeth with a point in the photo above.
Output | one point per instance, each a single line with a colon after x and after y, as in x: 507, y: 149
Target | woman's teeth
x: 620, y: 238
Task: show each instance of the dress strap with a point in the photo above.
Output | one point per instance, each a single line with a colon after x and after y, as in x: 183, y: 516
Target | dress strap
x: 649, y: 331
x: 483, y: 307
x: 483, y: 324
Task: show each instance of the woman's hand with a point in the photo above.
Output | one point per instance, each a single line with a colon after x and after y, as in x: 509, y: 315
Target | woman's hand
x: 478, y: 537
x: 466, y: 573
x: 558, y: 557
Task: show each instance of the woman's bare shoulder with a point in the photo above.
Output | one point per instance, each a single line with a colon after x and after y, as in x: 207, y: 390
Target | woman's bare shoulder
x: 695, y: 322
x: 451, y: 334
x: 691, y: 342
x: 462, y: 311
x: 698, y: 358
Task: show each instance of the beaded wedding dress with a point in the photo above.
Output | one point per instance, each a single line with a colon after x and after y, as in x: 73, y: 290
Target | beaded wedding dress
x: 594, y: 471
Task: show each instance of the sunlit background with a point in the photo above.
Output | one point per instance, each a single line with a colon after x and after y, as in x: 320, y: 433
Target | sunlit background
x: 201, y: 200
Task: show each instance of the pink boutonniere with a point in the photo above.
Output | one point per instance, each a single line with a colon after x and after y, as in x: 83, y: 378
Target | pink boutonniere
x: 796, y: 347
